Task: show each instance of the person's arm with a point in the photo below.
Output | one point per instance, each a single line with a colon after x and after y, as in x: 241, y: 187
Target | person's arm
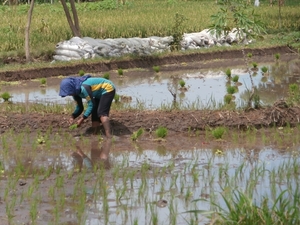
x: 88, y: 95
x: 79, y: 107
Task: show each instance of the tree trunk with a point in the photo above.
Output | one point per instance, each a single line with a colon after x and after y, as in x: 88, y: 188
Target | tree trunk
x: 75, y: 28
x: 27, y: 32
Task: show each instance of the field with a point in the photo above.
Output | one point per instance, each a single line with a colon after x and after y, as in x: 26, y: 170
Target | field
x: 170, y: 166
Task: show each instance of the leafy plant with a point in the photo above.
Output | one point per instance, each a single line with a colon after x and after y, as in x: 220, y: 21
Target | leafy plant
x: 106, y: 75
x: 228, y: 73
x: 237, y: 14
x: 73, y: 127
x: 5, y: 96
x: 120, y: 72
x: 137, y: 134
x: 235, y: 78
x: 181, y: 83
x: 256, y: 100
x: 293, y: 94
x: 161, y: 132
x: 277, y: 56
x: 81, y: 73
x: 264, y: 69
x: 249, y: 55
x: 218, y: 132
x: 228, y: 98
x: 231, y: 90
x: 177, y: 31
x: 117, y: 98
x: 254, y: 64
x: 43, y: 82
x: 156, y: 68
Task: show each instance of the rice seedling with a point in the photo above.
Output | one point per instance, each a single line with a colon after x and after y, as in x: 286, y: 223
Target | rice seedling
x: 81, y: 73
x: 5, y: 96
x: 264, y: 69
x: 156, y: 69
x: 161, y: 132
x: 106, y: 75
x: 235, y: 79
x: 218, y: 132
x: 228, y: 98
x: 254, y: 64
x: 231, y: 90
x: 120, y: 72
x: 43, y: 82
x: 137, y: 134
x: 228, y: 73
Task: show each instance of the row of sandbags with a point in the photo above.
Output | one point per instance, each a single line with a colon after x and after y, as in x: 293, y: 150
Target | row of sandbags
x: 86, y: 48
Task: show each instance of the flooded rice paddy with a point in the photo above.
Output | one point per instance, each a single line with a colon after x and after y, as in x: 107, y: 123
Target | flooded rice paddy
x: 44, y: 180
x: 205, y: 87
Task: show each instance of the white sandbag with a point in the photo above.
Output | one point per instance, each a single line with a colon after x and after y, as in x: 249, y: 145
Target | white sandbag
x: 63, y: 58
x: 69, y: 53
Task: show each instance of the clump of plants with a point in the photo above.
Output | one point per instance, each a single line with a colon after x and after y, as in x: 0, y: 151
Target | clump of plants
x: 81, y: 73
x: 277, y: 56
x: 106, y: 75
x: 256, y: 101
x: 228, y: 98
x: 156, y: 68
x: 43, y: 82
x: 117, y: 98
x: 120, y: 72
x: 5, y: 96
x: 161, y: 132
x: 228, y: 73
x: 264, y: 69
x: 254, y: 65
x: 182, y: 85
x: 73, y: 127
x: 293, y: 95
x: 235, y: 79
x: 249, y: 55
x: 137, y: 134
x: 231, y: 90
x: 218, y: 132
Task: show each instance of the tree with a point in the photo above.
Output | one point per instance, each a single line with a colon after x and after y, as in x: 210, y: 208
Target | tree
x: 73, y: 25
x: 27, y: 32
x: 237, y: 14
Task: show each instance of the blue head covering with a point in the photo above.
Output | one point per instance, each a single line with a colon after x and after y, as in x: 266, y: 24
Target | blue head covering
x: 71, y: 85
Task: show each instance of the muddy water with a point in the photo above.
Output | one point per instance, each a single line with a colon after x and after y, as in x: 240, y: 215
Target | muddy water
x: 136, y: 185
x: 42, y: 181
x: 205, y: 87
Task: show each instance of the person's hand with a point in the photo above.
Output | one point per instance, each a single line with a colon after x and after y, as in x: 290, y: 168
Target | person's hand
x: 71, y: 120
x: 79, y: 122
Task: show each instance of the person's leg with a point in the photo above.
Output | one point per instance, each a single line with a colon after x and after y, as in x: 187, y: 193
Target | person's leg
x: 95, y: 117
x: 103, y: 111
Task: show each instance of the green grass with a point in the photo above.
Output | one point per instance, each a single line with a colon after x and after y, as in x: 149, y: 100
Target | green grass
x: 136, y: 18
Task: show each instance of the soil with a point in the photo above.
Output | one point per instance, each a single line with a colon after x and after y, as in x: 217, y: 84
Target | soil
x: 177, y: 122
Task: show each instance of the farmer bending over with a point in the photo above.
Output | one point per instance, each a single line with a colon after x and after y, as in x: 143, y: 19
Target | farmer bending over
x: 99, y: 93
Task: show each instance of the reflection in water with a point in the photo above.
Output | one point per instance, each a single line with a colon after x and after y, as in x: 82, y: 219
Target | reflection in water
x: 99, y: 156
